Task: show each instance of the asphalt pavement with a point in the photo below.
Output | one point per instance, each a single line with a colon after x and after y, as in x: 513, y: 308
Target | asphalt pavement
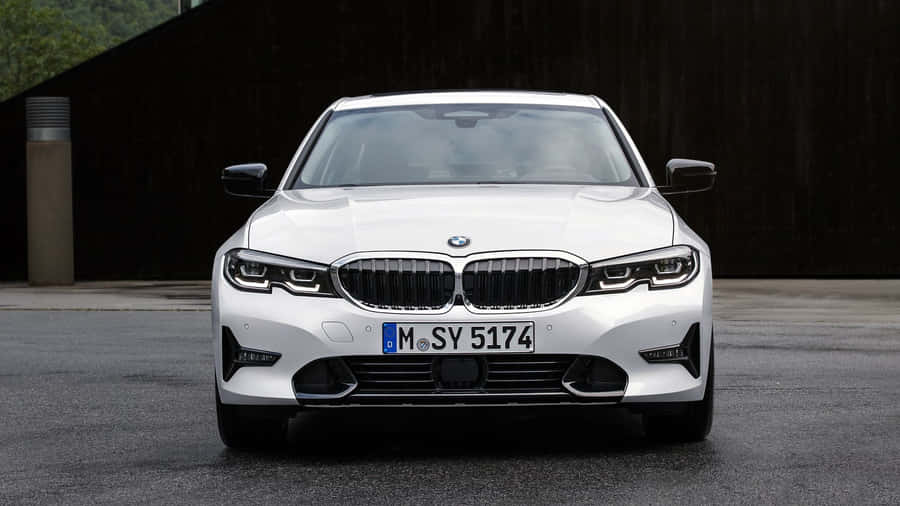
x: 111, y: 401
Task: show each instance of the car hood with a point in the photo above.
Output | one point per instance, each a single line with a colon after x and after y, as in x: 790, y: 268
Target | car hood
x: 592, y: 222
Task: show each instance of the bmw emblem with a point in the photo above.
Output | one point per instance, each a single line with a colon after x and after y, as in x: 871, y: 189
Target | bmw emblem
x: 423, y: 344
x: 458, y: 241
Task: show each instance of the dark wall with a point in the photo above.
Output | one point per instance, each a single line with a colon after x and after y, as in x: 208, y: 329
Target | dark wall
x: 796, y: 102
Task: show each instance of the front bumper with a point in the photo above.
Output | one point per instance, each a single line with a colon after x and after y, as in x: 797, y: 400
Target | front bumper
x: 612, y: 326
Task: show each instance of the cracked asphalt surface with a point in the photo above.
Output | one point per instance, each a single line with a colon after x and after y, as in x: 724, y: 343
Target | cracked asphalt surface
x: 117, y: 407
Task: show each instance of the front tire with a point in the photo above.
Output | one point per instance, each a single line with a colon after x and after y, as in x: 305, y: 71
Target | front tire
x: 249, y: 427
x: 694, y: 422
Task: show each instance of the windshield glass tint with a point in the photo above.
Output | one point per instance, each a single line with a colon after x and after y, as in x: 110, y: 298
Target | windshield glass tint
x: 453, y: 144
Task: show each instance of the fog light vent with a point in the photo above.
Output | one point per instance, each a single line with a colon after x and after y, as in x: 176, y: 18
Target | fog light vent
x: 686, y: 353
x: 247, y: 357
x: 328, y: 378
x: 234, y: 356
x: 595, y: 377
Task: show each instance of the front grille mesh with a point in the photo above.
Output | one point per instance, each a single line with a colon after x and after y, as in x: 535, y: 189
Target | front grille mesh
x: 505, y: 374
x: 399, y: 283
x: 518, y: 283
x: 410, y: 284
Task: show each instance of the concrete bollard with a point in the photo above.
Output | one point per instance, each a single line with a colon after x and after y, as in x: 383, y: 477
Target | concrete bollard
x: 49, y: 191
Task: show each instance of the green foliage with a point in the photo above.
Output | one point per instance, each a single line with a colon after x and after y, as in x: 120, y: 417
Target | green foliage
x: 41, y: 38
x: 122, y: 19
x: 37, y: 43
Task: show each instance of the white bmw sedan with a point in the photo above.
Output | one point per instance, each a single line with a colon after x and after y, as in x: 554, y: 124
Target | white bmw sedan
x: 464, y: 248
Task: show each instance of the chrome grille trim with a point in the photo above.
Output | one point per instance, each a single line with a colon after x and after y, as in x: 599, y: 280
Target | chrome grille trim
x: 536, y: 259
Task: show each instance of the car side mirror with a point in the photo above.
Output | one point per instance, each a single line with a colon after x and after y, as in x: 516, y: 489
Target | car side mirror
x: 688, y: 176
x: 246, y: 180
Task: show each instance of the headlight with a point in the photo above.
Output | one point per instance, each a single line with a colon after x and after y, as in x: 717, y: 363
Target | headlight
x: 256, y: 271
x: 660, y: 268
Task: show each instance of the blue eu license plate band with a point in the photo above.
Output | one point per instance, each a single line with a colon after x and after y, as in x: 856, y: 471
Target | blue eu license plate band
x: 389, y: 337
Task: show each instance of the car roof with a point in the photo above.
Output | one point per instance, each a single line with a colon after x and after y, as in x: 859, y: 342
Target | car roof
x: 467, y: 97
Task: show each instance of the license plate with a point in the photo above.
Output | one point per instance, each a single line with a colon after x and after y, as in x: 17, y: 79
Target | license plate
x: 507, y: 337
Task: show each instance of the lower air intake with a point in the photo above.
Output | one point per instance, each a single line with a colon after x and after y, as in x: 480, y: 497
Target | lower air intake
x: 463, y: 379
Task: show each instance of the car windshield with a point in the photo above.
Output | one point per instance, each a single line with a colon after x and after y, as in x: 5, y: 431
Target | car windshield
x: 458, y: 144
